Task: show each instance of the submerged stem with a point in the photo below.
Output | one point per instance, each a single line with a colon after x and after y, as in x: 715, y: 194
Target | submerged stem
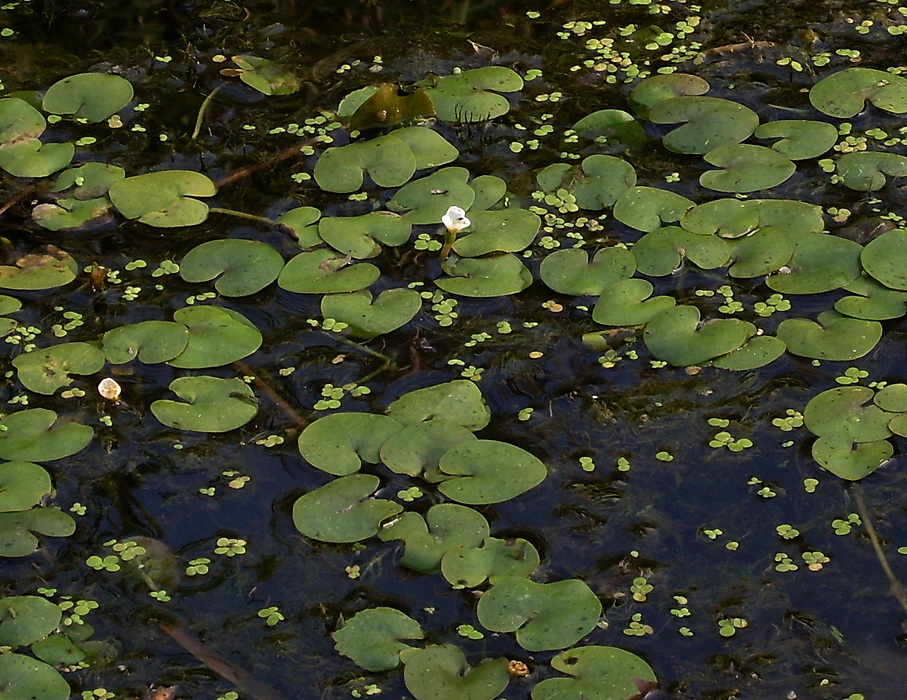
x: 200, y: 118
x: 897, y: 588
x: 243, y: 215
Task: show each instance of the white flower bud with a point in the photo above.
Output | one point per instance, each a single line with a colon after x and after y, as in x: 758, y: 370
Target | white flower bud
x: 455, y: 220
x: 109, y: 389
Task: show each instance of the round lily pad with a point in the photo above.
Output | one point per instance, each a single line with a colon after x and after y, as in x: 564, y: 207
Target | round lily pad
x: 149, y: 341
x: 612, y: 127
x: 892, y: 397
x: 628, y: 303
x: 871, y: 300
x: 663, y: 251
x: 216, y: 337
x: 427, y: 540
x: 385, y: 105
x: 325, y: 272
x: 799, y: 139
x: 89, y: 180
x: 711, y: 123
x: 845, y: 412
x: 45, y: 371
x: 745, y: 168
x: 647, y: 208
x: 844, y: 94
x: 368, y: 318
x: 473, y: 95
x: 35, y: 435
x: 494, y: 276
x: 29, y: 157
x: 676, y: 336
x: 499, y: 231
x: 597, y: 183
x: 570, y: 272
x: 340, y: 442
x: 865, y: 171
x: 470, y: 565
x: 459, y: 402
x: 851, y: 461
x: 209, y: 405
x: 343, y: 510
x: 91, y: 96
x: 166, y: 198
x: 19, y: 120
x: 359, y: 236
x: 417, y: 449
x: 22, y: 485
x: 67, y: 213
x: 36, y: 271
x: 789, y: 215
x: 442, y: 673
x: 883, y: 258
x: 488, y: 471
x: 268, y: 77
x: 372, y: 637
x: 17, y: 538
x: 820, y: 263
x: 760, y: 253
x: 26, y: 619
x: 729, y: 218
x: 598, y: 673
x: 26, y: 678
x: 426, y: 200
x: 543, y: 615
x: 834, y: 337
x: 754, y: 353
x: 660, y: 88
x: 302, y: 223
x: 241, y: 267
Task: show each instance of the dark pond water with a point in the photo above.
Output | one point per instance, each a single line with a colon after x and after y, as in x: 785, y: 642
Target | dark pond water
x: 698, y: 523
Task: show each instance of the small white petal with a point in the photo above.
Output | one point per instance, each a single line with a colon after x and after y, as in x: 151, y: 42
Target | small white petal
x: 109, y: 389
x: 455, y: 219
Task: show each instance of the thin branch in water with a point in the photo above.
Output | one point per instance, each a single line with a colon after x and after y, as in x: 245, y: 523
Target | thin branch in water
x: 897, y: 588
x: 243, y: 215
x: 200, y: 118
x: 272, y: 394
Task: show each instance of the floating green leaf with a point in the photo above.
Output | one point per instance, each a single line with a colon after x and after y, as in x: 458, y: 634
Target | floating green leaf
x: 368, y: 318
x: 19, y: 120
x: 340, y: 442
x: 883, y: 258
x: 91, y: 96
x: 301, y: 222
x: 676, y: 336
x: 445, y: 527
x: 789, y: 215
x: 45, y: 371
x: 385, y: 105
x: 426, y: 200
x: 459, y: 402
x: 761, y: 253
x: 35, y: 435
x: 851, y: 461
x: 29, y: 157
x: 710, y: 123
x: 417, y: 449
x: 26, y: 678
x: 359, y: 236
x: 570, y: 272
x: 892, y: 397
x: 342, y: 510
x: 745, y: 168
x: 17, y: 528
x: 834, y: 337
x: 89, y: 180
x: 22, y: 485
x: 871, y: 300
x: 844, y: 94
x: 663, y: 251
x: 599, y: 673
x: 647, y: 208
x: 612, y: 126
x: 500, y: 231
x: 494, y: 276
x: 729, y: 218
x: 660, y: 88
x: 543, y: 615
x: 166, y: 198
x: 325, y: 272
x: 208, y: 405
x: 267, y: 77
x: 488, y: 471
x: 372, y: 637
x: 216, y: 337
x: 799, y: 138
x: 820, y: 263
x: 473, y: 95
x: 151, y: 342
x: 865, y: 171
x: 26, y: 619
x: 627, y: 303
x: 469, y: 565
x: 67, y: 213
x: 39, y: 271
x: 441, y: 673
x: 241, y: 267
x: 757, y: 352
x: 845, y: 412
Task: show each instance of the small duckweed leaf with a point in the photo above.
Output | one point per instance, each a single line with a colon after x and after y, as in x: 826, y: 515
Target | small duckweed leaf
x: 417, y: 449
x: 165, y: 198
x: 570, y: 272
x: 599, y: 673
x: 834, y: 337
x: 325, y: 272
x: 613, y: 127
x: 500, y: 231
x: 488, y: 471
x: 372, y: 637
x: 25, y: 619
x: 472, y: 96
x: 469, y: 565
x: 711, y: 123
x: 544, y: 615
x: 39, y: 271
x: 448, y: 526
x: 442, y: 673
x: 241, y: 267
x: 209, y: 405
x: 844, y: 94
x: 216, y: 337
x: 757, y: 352
x: 26, y: 678
x: 846, y: 412
x: 663, y: 251
x: 745, y: 168
x: 660, y: 88
x: 800, y: 139
x: 851, y: 461
x: 17, y: 539
x: 45, y: 371
x: 267, y: 77
x: 647, y: 208
x: 676, y: 336
x: 495, y: 276
x: 820, y: 263
x: 865, y: 171
x: 22, y: 485
x: 368, y: 318
x: 35, y: 435
x: 627, y: 303
x: 760, y: 253
x: 459, y: 402
x: 359, y: 236
x: 91, y: 96
x: 343, y: 510
x: 340, y: 442
x: 151, y: 342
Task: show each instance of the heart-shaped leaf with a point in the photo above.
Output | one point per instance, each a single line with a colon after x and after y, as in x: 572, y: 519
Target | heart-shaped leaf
x: 417, y: 449
x: 844, y: 94
x: 459, y: 402
x: 851, y: 461
x: 442, y: 673
x: 26, y: 678
x: 871, y: 300
x: 597, y: 183
x: 45, y: 371
x: 267, y: 77
x: 340, y: 442
x: 241, y: 267
x: 89, y: 180
x: 834, y: 337
x: 729, y: 218
x: 19, y: 120
x: 746, y: 168
x: 22, y: 485
x: 359, y: 236
x: 372, y: 637
x: 17, y: 530
x: 500, y: 231
x: 799, y: 138
x: 216, y: 337
x: 598, y: 673
x: 660, y: 88
x: 301, y: 223
x: 208, y: 405
x: 882, y: 258
x: 647, y: 208
x: 613, y: 127
x: 149, y: 341
x: 368, y: 318
x: 488, y: 471
x: 627, y: 303
x: 35, y: 435
x: 710, y: 123
x: 469, y: 565
x: 761, y: 253
x: 820, y: 263
x: 676, y: 336
x: 426, y: 200
x: 165, y: 198
x: 757, y: 352
x: 325, y: 272
x: 39, y: 271
x: 385, y: 105
x: 26, y: 619
x: 494, y: 276
x: 845, y: 412
x: 29, y: 157
x: 69, y: 213
x: 91, y: 96
x: 663, y: 251
x: 570, y: 272
x: 865, y: 171
x: 472, y: 96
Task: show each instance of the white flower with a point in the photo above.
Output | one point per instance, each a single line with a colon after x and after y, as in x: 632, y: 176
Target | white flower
x: 109, y: 389
x: 455, y: 219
